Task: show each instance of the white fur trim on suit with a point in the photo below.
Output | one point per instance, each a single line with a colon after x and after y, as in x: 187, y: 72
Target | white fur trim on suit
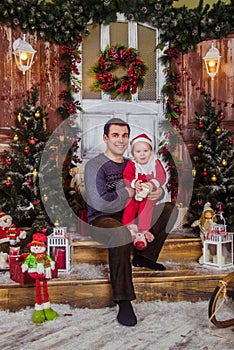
x: 147, y: 169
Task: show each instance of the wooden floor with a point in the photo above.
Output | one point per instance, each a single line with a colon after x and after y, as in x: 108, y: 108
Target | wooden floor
x: 184, y: 278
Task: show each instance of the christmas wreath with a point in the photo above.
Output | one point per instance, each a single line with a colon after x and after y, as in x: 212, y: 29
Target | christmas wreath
x: 112, y: 58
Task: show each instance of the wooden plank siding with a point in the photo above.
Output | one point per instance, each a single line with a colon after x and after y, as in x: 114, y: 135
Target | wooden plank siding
x: 13, y: 82
x: 221, y: 88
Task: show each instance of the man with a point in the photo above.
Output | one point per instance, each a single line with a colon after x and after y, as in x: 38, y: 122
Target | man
x: 106, y: 199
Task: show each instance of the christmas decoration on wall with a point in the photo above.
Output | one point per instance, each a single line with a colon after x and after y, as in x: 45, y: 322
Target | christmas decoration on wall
x: 39, y: 266
x: 213, y: 162
x: 111, y: 59
x: 195, y: 85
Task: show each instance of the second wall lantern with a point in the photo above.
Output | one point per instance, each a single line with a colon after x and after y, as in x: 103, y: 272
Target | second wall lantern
x: 212, y: 61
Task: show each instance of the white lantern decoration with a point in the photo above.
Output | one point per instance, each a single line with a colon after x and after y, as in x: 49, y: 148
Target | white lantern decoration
x: 212, y: 61
x: 218, y: 245
x: 59, y: 247
x: 23, y: 53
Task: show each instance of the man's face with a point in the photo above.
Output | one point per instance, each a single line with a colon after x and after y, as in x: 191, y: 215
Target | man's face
x: 117, y: 140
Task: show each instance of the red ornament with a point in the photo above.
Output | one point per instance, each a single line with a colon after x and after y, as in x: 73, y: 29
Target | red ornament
x: 230, y: 142
x: 25, y: 125
x: 43, y: 230
x: 26, y: 150
x: 8, y: 182
x: 8, y: 161
x: 29, y: 180
x: 204, y: 173
x: 201, y: 125
x: 32, y: 141
x: 199, y: 203
x: 220, y: 208
x: 222, y: 116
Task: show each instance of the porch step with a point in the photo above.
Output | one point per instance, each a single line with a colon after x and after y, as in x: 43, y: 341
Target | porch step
x: 88, y: 285
x: 189, y: 282
x: 181, y: 246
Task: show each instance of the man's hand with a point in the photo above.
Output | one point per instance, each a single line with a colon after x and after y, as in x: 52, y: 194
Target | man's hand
x: 153, y: 196
x: 131, y: 191
x: 138, y: 185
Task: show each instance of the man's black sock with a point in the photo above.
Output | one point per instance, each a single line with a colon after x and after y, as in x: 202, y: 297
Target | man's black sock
x: 126, y: 315
x: 141, y: 261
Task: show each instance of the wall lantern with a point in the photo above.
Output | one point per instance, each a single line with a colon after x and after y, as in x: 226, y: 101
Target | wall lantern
x: 212, y: 61
x: 24, y: 54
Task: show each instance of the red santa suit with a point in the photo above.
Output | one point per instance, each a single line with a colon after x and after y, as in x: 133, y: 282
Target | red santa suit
x: 153, y: 172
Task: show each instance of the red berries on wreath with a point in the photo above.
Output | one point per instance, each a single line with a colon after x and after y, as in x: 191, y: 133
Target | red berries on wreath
x: 110, y: 60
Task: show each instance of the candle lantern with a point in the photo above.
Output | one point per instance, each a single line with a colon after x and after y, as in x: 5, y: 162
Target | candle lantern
x: 218, y: 244
x: 59, y: 247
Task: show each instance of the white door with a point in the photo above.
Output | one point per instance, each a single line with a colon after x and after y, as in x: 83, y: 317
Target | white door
x: 145, y: 110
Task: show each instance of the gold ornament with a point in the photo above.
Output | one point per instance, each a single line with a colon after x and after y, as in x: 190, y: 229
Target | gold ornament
x: 19, y: 117
x: 16, y: 137
x: 218, y: 130
x: 45, y: 197
x: 224, y: 162
x: 37, y: 114
x: 199, y: 146
x: 35, y: 172
x: 56, y: 224
x: 194, y: 172
x: 8, y: 178
x: 214, y: 178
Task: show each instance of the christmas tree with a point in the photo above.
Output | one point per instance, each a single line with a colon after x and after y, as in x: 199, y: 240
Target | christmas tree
x: 19, y: 188
x: 213, y: 165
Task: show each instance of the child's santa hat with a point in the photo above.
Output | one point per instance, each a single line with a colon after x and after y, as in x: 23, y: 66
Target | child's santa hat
x: 39, y: 239
x: 142, y: 138
x: 4, y: 215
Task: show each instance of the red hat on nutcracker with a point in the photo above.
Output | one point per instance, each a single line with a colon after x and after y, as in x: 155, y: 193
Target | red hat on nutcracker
x: 38, y: 239
x: 141, y: 138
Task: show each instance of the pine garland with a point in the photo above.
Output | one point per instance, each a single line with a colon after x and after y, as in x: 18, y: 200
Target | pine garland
x: 62, y: 21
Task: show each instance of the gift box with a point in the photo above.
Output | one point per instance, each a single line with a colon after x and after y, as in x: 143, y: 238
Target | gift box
x: 18, y: 276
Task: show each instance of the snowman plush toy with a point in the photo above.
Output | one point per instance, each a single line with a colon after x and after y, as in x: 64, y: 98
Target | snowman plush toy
x: 39, y: 265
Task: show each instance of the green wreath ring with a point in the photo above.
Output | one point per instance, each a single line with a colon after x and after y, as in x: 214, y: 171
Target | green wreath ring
x: 112, y: 58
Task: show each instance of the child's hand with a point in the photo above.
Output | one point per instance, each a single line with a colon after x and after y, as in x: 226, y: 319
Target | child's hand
x: 138, y: 186
x: 150, y: 186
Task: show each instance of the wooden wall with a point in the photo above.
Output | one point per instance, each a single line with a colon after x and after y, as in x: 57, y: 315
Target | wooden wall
x: 196, y: 81
x: 14, y: 83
